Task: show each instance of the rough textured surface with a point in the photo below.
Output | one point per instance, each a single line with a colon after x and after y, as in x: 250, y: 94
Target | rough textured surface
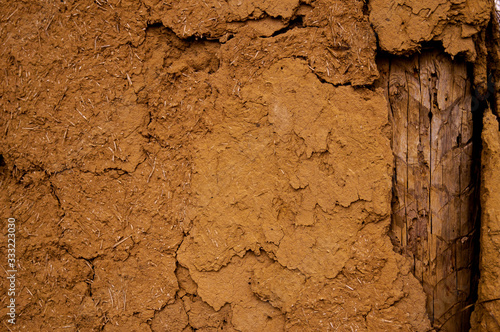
x: 402, y: 26
x: 279, y: 174
x: 335, y: 37
x: 204, y: 165
x: 434, y: 188
x: 486, y: 316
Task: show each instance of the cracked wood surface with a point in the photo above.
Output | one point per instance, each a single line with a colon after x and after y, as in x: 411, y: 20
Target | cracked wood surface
x: 430, y: 105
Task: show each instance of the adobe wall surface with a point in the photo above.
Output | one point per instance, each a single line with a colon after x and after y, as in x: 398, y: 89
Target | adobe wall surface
x: 207, y: 165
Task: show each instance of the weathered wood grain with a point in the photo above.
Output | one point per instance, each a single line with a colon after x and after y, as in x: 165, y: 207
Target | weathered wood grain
x: 430, y: 100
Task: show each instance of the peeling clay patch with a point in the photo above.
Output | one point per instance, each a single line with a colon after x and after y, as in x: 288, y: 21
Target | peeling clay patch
x: 244, y: 176
x: 403, y: 27
x: 285, y: 187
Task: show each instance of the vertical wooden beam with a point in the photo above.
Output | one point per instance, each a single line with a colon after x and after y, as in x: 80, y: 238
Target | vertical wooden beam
x: 430, y: 102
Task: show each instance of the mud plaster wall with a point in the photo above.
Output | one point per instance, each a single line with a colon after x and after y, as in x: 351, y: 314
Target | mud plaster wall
x: 487, y: 313
x: 206, y: 165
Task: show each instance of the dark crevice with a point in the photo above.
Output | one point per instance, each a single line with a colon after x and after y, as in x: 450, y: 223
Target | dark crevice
x: 295, y: 23
x: 478, y: 106
x: 431, y: 45
x: 366, y: 9
x: 154, y: 25
x: 53, y: 190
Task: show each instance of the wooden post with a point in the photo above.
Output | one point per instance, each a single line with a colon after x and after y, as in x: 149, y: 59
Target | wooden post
x: 430, y: 100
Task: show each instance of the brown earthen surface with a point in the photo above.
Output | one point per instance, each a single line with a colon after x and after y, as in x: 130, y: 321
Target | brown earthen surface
x: 202, y: 165
x: 403, y: 26
x: 487, y: 310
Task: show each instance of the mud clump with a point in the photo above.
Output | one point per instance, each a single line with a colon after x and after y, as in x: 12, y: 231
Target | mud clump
x: 402, y: 28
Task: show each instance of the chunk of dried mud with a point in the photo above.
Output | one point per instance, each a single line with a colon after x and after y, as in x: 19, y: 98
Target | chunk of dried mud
x: 402, y: 27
